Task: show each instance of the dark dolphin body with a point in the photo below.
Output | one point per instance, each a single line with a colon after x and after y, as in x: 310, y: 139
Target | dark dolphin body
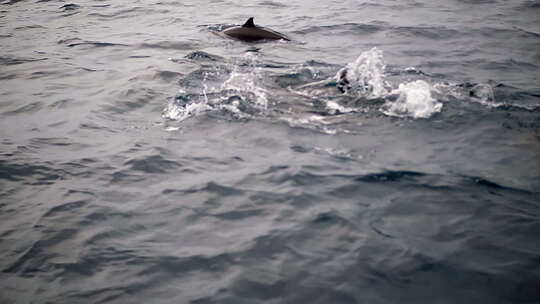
x: 250, y: 32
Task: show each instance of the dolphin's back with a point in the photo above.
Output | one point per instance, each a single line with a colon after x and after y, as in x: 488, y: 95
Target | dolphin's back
x: 253, y: 34
x: 250, y: 32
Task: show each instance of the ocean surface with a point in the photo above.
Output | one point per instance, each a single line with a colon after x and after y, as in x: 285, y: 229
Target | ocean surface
x: 388, y: 153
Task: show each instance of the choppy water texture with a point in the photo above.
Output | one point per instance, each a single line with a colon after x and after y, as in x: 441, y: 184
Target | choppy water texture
x: 389, y: 153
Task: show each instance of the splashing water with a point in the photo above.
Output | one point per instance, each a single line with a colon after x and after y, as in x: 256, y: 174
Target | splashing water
x: 246, y: 85
x: 365, y: 76
x: 181, y: 108
x: 413, y: 99
x: 239, y: 94
x: 483, y: 93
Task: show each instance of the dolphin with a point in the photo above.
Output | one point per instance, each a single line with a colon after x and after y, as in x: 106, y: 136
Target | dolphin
x: 250, y: 32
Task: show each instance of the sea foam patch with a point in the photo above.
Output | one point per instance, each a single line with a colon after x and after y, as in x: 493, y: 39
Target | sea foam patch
x: 414, y: 99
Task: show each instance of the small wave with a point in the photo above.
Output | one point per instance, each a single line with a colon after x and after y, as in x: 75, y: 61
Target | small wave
x: 166, y: 75
x: 477, y: 1
x: 389, y: 176
x: 528, y: 32
x: 152, y: 164
x: 5, y: 60
x: 508, y: 64
x: 299, y: 75
x: 355, y: 28
x: 492, y: 95
x: 534, y: 4
x: 29, y: 27
x: 73, y: 42
x: 70, y: 7
x: 433, y: 33
x: 10, y: 2
x: 169, y: 45
x: 203, y: 56
x: 37, y: 174
x: 130, y: 12
x: 26, y: 109
x: 272, y: 4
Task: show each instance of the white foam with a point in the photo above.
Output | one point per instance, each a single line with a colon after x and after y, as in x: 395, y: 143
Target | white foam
x: 172, y: 129
x: 316, y: 122
x: 333, y: 107
x: 341, y: 153
x: 413, y: 100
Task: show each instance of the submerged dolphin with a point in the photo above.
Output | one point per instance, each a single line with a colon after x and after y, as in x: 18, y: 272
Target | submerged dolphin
x: 250, y: 32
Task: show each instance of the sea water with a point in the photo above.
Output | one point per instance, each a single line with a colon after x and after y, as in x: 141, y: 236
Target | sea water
x: 146, y: 159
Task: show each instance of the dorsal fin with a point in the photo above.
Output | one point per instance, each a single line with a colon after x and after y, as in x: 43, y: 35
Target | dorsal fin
x: 249, y: 23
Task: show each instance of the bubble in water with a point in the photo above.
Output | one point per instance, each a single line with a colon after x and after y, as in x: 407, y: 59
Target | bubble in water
x: 414, y: 100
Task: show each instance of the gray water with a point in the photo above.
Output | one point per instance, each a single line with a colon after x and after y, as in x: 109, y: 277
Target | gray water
x: 145, y: 158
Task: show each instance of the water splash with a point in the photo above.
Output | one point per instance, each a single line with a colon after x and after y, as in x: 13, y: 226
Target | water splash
x: 247, y: 84
x: 483, y: 93
x: 365, y: 76
x: 414, y: 99
x: 181, y: 108
x: 240, y: 94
